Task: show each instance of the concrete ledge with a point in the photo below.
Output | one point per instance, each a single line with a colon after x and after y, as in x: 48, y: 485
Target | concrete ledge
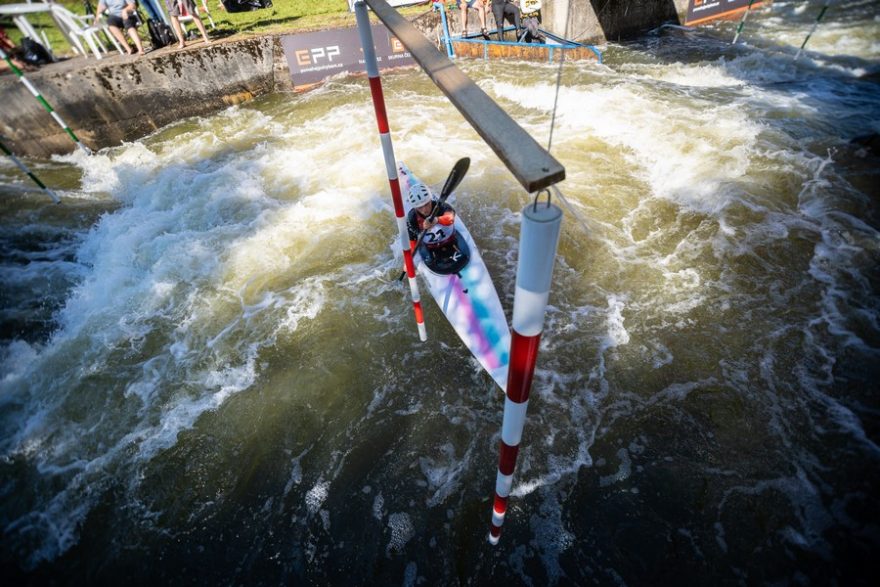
x: 124, y: 98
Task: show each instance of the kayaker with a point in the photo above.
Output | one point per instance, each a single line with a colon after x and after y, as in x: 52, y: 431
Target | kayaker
x: 439, y: 239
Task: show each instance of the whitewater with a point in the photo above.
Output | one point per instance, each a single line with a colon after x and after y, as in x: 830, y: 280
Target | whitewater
x: 209, y: 373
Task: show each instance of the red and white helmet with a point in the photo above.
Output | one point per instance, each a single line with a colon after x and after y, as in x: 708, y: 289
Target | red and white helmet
x: 419, y: 194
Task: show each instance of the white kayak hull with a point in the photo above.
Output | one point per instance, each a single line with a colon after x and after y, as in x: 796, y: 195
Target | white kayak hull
x: 469, y: 301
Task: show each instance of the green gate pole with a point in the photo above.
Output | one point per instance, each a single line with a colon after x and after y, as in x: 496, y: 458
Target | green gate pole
x: 42, y: 101
x: 813, y: 30
x: 742, y: 22
x: 30, y: 174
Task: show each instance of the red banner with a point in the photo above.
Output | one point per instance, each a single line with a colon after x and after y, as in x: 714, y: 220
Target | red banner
x: 704, y: 10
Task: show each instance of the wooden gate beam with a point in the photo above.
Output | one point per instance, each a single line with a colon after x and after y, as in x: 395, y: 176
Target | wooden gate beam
x: 532, y: 165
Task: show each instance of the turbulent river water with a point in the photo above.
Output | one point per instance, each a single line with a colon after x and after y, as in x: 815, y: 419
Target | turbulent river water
x: 210, y: 375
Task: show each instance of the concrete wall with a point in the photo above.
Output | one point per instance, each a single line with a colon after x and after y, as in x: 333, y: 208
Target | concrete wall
x: 122, y: 99
x: 598, y: 21
x: 588, y: 21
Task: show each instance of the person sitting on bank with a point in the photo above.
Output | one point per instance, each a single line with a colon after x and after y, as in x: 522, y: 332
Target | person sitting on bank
x: 481, y: 6
x: 530, y: 15
x: 440, y: 232
x: 121, y: 14
x: 502, y: 9
x: 14, y: 53
x: 178, y: 8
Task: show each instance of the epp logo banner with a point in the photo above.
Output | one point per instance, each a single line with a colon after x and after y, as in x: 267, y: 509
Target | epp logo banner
x: 306, y: 57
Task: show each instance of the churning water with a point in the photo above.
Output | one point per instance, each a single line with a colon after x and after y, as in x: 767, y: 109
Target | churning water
x: 210, y: 375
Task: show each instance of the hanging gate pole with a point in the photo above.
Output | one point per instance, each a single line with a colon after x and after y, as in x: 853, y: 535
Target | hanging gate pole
x: 444, y: 30
x: 28, y: 172
x: 366, y: 34
x: 42, y: 101
x: 539, y: 237
x: 813, y: 30
x: 742, y: 22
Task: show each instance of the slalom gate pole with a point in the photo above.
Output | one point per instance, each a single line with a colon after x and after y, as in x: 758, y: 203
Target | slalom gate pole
x: 41, y: 100
x: 28, y: 172
x: 742, y: 22
x: 444, y: 26
x: 366, y: 34
x: 539, y: 237
x: 813, y: 30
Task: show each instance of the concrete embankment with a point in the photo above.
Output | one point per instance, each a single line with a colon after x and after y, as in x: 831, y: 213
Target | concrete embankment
x: 599, y: 21
x: 123, y: 98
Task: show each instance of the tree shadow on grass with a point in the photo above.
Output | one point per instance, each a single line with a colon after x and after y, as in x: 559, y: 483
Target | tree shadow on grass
x: 266, y: 22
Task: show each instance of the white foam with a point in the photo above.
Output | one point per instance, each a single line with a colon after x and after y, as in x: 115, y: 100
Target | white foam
x: 379, y: 506
x: 15, y: 361
x: 402, y: 530
x: 316, y: 496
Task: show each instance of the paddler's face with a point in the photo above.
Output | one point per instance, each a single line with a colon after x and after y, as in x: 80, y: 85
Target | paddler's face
x: 425, y: 209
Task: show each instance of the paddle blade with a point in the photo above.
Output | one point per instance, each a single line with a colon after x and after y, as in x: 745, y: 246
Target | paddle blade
x: 455, y: 176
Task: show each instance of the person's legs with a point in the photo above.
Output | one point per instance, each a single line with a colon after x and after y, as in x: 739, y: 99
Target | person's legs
x: 175, y: 24
x: 133, y: 33
x: 481, y: 13
x: 514, y: 11
x: 463, y: 9
x: 201, y: 26
x: 117, y: 33
x: 498, y: 13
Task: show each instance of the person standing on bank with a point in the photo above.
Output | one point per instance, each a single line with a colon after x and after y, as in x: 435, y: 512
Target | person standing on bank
x: 178, y: 8
x: 501, y: 9
x: 439, y: 232
x: 121, y: 14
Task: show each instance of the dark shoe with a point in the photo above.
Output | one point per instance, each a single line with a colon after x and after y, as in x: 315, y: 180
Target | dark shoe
x: 485, y: 34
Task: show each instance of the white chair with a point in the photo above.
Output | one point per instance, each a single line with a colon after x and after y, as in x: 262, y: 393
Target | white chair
x: 76, y: 28
x: 184, y: 17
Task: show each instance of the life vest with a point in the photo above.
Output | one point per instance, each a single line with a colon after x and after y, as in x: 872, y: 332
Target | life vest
x: 441, y: 233
x: 530, y: 8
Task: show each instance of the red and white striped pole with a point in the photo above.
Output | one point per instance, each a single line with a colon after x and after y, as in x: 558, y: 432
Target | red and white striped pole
x: 366, y: 34
x: 538, y: 239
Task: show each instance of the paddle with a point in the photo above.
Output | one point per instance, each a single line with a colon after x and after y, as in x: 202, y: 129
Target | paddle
x: 455, y: 176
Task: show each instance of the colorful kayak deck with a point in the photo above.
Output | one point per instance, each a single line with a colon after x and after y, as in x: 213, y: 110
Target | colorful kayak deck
x: 469, y: 301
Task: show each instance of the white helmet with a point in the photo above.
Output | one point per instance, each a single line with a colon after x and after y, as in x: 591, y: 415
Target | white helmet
x: 419, y: 195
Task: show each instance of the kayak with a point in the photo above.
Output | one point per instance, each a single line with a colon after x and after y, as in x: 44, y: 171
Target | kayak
x: 462, y: 287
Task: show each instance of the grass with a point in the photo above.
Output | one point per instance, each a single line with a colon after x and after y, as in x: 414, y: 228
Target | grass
x: 285, y: 16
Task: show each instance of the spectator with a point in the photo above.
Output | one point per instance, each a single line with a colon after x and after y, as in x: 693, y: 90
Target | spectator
x: 178, y: 8
x: 121, y: 14
x: 530, y: 14
x: 13, y: 52
x: 502, y: 9
x: 481, y: 7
